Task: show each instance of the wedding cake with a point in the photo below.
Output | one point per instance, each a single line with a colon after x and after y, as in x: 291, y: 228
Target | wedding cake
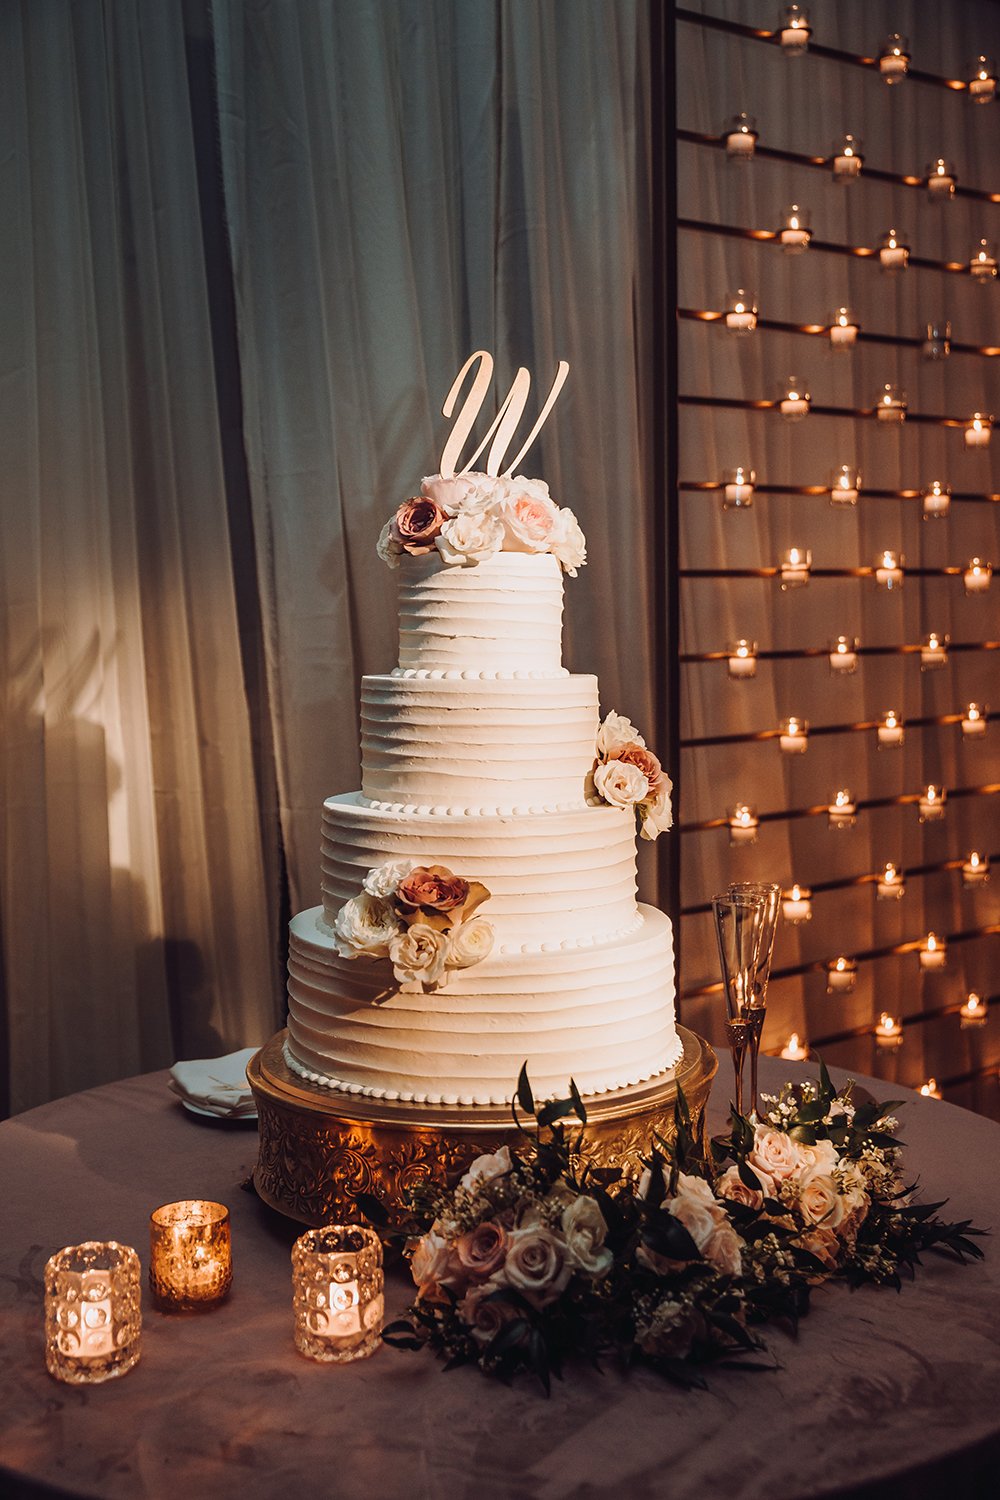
x: 479, y: 892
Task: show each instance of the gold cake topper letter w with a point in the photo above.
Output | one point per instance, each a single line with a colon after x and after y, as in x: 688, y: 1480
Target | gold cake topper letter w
x: 504, y: 424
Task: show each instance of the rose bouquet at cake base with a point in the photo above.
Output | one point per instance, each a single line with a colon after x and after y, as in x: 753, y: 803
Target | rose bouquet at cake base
x: 540, y: 1255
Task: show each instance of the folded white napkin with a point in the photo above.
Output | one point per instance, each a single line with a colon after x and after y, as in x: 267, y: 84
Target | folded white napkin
x: 217, y: 1085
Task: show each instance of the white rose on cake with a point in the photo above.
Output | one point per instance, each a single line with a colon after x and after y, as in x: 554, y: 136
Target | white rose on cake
x: 418, y: 955
x: 614, y: 734
x: 470, y: 537
x: 621, y: 784
x: 529, y: 516
x: 365, y: 925
x: 464, y: 494
x: 567, y: 542
x: 383, y: 879
x: 469, y: 943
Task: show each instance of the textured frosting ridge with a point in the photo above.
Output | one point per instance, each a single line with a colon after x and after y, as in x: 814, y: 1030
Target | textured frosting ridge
x: 504, y: 614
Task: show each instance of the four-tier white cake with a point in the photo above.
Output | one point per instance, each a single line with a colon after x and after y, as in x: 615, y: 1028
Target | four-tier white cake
x: 478, y: 754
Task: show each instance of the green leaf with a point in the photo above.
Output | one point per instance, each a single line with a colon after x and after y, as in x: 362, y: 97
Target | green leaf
x: 811, y: 1114
x: 524, y: 1096
x: 749, y: 1177
x: 556, y: 1109
x: 803, y: 1133
x: 581, y: 1108
x: 374, y: 1210
x: 826, y: 1087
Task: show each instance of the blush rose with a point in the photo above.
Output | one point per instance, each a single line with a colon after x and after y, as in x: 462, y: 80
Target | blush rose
x: 415, y: 525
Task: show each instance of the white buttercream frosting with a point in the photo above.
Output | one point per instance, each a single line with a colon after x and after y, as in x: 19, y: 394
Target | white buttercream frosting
x: 504, y: 614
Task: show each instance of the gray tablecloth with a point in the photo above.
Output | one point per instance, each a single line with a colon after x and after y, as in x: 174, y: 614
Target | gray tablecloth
x: 881, y: 1394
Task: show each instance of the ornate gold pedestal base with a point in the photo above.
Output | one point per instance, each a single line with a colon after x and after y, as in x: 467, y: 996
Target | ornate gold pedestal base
x: 319, y: 1149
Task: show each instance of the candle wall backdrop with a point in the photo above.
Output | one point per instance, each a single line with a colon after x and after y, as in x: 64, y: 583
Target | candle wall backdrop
x: 869, y: 526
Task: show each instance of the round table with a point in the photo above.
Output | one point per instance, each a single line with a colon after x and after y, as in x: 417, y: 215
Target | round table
x: 880, y: 1395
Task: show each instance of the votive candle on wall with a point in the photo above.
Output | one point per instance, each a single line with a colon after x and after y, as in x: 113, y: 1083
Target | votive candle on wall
x: 983, y: 262
x: 893, y: 254
x: 795, y: 1050
x: 936, y: 500
x: 937, y: 344
x: 977, y: 576
x: 738, y: 487
x: 741, y: 312
x: 793, y: 738
x: 741, y: 137
x: 190, y: 1255
x: 934, y: 652
x: 974, y: 1013
x: 891, y: 884
x: 793, y: 400
x: 934, y: 952
x: 847, y: 158
x: 890, y: 731
x: 843, y: 329
x: 975, y: 869
x: 795, y: 233
x: 794, y: 30
x: 930, y: 1089
x: 982, y: 79
x: 842, y: 810
x: 894, y: 59
x: 888, y: 1032
x: 845, y: 484
x: 844, y: 654
x: 974, y: 721
x: 338, y: 1293
x: 796, y: 905
x: 940, y: 179
x: 889, y: 570
x: 932, y: 803
x: 977, y: 431
x: 891, y: 404
x: 841, y: 976
x: 93, y: 1316
x: 794, y: 566
x: 743, y: 659
x: 743, y: 824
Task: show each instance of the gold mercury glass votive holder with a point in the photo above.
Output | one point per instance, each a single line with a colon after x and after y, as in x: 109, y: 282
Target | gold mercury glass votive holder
x: 338, y: 1292
x: 93, y: 1318
x: 190, y: 1255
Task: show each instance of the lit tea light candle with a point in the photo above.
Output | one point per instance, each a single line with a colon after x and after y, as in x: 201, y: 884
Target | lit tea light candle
x: 934, y: 652
x: 795, y: 233
x: 936, y: 500
x: 843, y: 329
x: 888, y: 1031
x: 977, y: 432
x: 794, y: 736
x: 743, y: 824
x: 842, y: 810
x: 893, y: 255
x: 894, y: 59
x: 937, y: 344
x: 741, y: 314
x: 983, y: 263
x: 796, y: 905
x: 743, y: 659
x: 974, y: 1013
x: 930, y: 1089
x: 934, y: 953
x: 891, y: 884
x: 795, y: 565
x: 847, y: 159
x: 889, y: 570
x: 845, y: 484
x: 844, y: 654
x: 338, y: 1293
x: 93, y: 1318
x: 794, y: 1050
x: 977, y: 576
x: 891, y: 404
x: 190, y: 1255
x: 738, y: 486
x: 794, y: 31
x: 890, y: 731
x: 794, y: 400
x: 974, y: 722
x: 741, y: 137
x: 975, y: 869
x: 932, y: 804
x: 940, y: 179
x: 841, y: 976
x: 982, y: 80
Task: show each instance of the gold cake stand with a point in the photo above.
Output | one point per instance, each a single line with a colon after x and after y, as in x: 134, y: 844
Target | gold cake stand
x: 319, y: 1148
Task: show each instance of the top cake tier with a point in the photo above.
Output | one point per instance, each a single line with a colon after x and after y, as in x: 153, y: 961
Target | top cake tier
x: 499, y: 618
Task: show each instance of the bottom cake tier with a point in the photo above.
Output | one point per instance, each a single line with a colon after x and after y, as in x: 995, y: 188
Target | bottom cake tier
x: 601, y: 1015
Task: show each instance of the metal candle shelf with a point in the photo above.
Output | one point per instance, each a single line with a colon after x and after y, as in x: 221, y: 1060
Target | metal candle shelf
x: 742, y: 403
x: 689, y: 658
x: 757, y: 735
x: 822, y: 330
x: 703, y: 486
x: 822, y: 809
x: 935, y: 1013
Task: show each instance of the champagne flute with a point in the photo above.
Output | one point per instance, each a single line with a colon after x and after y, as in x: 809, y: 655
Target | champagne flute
x: 739, y: 918
x: 770, y: 895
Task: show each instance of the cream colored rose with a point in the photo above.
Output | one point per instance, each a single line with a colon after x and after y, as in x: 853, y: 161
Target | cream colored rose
x: 585, y: 1231
x: 383, y: 879
x: 620, y: 784
x: 567, y: 542
x: 823, y: 1243
x: 614, y: 734
x: 469, y: 943
x: 418, y: 955
x: 464, y: 494
x: 388, y: 549
x: 731, y: 1185
x: 774, y: 1152
x: 656, y: 816
x: 364, y: 925
x: 706, y: 1221
x: 819, y: 1200
x: 528, y: 520
x: 537, y: 1264
x: 470, y: 538
x: 819, y: 1158
x: 432, y: 1265
x: 486, y: 1167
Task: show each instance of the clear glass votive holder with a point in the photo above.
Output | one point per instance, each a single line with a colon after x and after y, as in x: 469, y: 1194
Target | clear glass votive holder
x: 190, y: 1255
x: 338, y: 1293
x: 93, y: 1316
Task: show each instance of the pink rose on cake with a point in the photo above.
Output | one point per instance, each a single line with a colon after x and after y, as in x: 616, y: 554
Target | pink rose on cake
x: 470, y: 538
x: 416, y: 524
x: 441, y: 898
x: 628, y: 774
x: 528, y: 515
